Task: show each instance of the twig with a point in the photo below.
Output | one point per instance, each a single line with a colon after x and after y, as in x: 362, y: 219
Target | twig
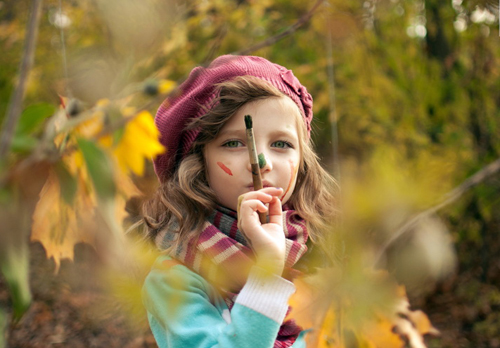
x: 14, y: 110
x: 291, y: 29
x: 447, y: 199
x: 222, y: 32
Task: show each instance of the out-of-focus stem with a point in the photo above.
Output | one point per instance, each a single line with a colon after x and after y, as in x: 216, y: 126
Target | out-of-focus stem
x: 14, y: 110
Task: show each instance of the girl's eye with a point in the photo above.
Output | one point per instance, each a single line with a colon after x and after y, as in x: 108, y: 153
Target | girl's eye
x: 232, y: 143
x: 281, y: 144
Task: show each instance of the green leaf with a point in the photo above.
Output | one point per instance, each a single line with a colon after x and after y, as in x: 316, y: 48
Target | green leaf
x: 32, y: 118
x: 23, y: 143
x: 3, y: 327
x: 67, y: 182
x: 14, y: 265
x: 29, y: 124
x: 99, y: 168
x: 117, y: 135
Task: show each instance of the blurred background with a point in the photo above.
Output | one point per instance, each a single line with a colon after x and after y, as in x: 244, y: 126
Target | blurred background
x: 406, y: 104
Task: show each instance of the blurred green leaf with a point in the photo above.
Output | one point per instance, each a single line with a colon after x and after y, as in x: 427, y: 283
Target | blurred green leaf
x: 118, y: 134
x: 30, y: 123
x: 33, y: 117
x: 23, y: 143
x: 99, y: 168
x: 67, y: 182
x: 3, y: 327
x: 14, y: 264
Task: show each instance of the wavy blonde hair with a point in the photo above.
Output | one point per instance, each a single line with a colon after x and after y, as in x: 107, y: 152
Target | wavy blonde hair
x: 184, y: 201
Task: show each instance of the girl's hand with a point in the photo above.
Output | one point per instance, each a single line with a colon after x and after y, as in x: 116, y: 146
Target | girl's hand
x: 267, y: 240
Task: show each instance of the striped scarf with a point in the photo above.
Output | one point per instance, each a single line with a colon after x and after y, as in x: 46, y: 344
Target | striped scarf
x: 221, y: 255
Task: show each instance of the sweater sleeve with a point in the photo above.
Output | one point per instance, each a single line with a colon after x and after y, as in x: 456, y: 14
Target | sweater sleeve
x: 184, y: 310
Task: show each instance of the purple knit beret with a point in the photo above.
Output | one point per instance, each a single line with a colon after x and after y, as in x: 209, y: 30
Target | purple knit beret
x: 199, y: 89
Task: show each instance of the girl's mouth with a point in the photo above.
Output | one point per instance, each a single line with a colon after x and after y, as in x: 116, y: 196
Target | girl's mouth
x: 264, y: 185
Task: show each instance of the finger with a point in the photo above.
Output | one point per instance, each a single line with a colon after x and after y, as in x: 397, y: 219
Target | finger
x: 274, y: 191
x: 238, y: 207
x: 275, y: 212
x: 262, y: 196
x: 248, y: 220
x: 252, y: 205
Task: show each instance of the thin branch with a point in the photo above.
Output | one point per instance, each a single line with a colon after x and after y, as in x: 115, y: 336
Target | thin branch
x: 290, y: 30
x: 222, y: 32
x: 447, y: 199
x: 14, y: 111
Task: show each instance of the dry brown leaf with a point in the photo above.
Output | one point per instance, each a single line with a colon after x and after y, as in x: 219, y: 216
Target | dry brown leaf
x: 56, y: 224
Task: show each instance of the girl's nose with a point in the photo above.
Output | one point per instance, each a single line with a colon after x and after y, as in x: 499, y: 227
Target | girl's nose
x: 265, y: 164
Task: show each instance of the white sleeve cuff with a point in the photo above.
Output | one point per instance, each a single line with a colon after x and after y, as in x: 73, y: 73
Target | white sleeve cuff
x: 266, y: 294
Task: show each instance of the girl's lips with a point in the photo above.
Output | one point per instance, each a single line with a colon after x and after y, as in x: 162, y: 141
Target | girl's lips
x: 264, y: 184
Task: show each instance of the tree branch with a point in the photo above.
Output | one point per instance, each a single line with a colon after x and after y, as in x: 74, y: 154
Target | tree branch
x: 290, y: 30
x: 14, y: 110
x: 447, y: 199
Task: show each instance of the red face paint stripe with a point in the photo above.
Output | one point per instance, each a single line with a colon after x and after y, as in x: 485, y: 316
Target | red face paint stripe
x: 224, y: 168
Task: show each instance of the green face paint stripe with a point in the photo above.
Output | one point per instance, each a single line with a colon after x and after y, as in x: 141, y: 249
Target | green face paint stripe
x: 262, y: 160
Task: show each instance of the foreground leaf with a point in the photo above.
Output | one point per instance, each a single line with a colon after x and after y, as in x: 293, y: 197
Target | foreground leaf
x: 99, y: 168
x: 334, y: 314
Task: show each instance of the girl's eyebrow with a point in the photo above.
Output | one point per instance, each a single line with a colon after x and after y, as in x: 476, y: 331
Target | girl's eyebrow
x: 240, y: 133
x: 233, y: 132
x: 284, y: 133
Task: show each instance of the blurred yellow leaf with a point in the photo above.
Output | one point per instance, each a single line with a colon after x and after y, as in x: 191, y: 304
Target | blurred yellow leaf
x: 166, y: 86
x: 378, y: 334
x: 140, y: 141
x: 320, y: 304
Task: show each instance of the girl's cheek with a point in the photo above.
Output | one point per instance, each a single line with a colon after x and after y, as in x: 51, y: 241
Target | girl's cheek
x: 293, y: 174
x: 225, y: 169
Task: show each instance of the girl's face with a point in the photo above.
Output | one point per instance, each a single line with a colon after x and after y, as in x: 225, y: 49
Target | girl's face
x: 275, y: 122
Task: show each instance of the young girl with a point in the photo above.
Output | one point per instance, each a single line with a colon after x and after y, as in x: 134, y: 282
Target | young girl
x: 224, y: 279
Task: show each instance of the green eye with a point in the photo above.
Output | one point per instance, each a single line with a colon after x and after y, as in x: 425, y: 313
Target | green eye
x: 232, y: 143
x: 281, y: 144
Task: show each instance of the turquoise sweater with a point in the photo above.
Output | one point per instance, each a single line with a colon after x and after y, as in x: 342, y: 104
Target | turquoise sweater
x: 186, y: 311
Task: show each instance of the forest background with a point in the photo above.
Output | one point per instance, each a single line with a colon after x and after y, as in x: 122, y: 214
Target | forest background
x: 407, y: 120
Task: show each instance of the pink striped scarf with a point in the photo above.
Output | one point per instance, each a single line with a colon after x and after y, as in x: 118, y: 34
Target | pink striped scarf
x: 220, y: 254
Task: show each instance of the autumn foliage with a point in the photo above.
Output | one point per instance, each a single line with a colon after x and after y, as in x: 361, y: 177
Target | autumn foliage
x: 406, y: 119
